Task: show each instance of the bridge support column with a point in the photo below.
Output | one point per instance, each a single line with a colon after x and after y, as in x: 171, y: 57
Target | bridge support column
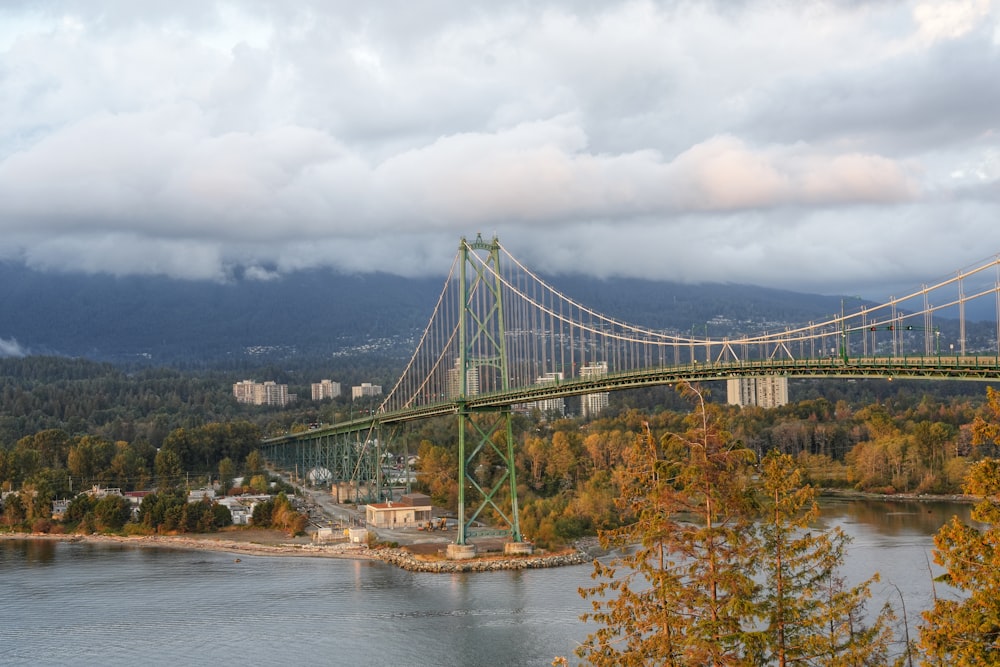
x: 461, y: 551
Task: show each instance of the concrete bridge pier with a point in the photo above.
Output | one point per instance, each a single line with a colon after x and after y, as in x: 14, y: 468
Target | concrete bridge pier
x: 518, y: 549
x: 460, y: 551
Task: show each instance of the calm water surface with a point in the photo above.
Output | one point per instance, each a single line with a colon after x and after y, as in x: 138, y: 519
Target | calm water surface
x: 97, y: 604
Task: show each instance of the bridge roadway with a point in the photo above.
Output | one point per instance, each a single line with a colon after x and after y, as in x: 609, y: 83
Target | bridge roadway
x: 935, y: 367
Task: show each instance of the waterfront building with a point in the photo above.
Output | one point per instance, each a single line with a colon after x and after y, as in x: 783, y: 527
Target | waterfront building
x: 241, y: 509
x: 410, y: 511
x: 766, y: 391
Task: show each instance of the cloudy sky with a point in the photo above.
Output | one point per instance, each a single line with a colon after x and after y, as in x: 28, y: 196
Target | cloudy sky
x: 836, y: 146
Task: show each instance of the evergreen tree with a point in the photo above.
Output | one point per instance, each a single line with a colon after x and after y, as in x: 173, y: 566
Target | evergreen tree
x: 809, y: 617
x: 966, y: 632
x: 683, y: 593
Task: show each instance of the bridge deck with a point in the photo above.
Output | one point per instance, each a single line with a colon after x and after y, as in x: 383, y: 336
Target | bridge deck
x: 969, y: 367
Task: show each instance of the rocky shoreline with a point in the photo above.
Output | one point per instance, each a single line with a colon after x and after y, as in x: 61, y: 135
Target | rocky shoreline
x: 407, y: 561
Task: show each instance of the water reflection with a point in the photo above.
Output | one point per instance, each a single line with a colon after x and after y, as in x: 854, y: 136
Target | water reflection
x: 28, y: 552
x: 893, y: 516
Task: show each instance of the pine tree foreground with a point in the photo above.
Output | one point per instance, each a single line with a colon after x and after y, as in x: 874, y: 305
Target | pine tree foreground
x: 966, y: 632
x: 718, y: 564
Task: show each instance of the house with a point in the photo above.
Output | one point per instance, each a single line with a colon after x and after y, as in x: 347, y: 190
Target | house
x: 59, y: 508
x: 241, y: 509
x: 197, y: 495
x: 136, y: 498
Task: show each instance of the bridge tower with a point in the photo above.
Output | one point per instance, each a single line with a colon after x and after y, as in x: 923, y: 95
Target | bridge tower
x: 486, y: 477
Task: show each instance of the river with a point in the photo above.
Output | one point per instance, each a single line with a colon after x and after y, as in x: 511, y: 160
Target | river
x: 76, y: 603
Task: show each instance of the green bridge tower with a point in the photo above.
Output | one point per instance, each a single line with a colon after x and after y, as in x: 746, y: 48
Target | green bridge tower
x: 484, y: 434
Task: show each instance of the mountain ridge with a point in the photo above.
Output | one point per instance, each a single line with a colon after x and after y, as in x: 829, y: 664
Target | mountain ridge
x: 321, y: 312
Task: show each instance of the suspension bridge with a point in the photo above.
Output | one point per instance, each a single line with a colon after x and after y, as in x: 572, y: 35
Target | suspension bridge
x: 501, y: 339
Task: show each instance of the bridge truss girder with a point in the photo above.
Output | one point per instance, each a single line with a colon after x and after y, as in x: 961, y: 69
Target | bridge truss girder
x: 348, y: 458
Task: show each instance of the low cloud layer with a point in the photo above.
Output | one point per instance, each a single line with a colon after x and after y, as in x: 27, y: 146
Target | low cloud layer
x: 664, y: 140
x: 11, y: 348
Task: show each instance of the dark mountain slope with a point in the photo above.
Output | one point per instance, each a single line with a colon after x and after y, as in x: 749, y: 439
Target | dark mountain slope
x: 319, y: 312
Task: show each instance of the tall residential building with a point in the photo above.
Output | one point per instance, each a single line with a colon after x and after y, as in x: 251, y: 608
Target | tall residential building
x: 267, y: 393
x: 455, y: 377
x: 592, y: 404
x: 765, y: 391
x: 325, y: 389
x: 549, y: 406
x: 243, y: 391
x: 274, y: 393
x: 366, y: 389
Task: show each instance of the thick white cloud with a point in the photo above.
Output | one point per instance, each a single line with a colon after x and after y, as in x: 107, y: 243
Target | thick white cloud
x: 804, y: 145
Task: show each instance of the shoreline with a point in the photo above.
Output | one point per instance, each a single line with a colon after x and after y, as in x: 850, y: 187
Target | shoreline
x: 394, y: 556
x: 275, y: 544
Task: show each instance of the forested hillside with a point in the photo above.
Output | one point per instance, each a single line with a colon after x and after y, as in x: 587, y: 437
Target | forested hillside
x: 66, y: 423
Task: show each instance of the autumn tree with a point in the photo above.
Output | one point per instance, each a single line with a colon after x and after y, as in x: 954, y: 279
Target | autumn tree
x: 683, y: 591
x: 254, y: 463
x: 439, y: 472
x: 278, y: 513
x: 966, y: 632
x: 986, y: 427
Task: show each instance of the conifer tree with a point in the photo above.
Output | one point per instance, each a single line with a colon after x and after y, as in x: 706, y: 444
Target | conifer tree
x: 809, y: 616
x: 966, y: 632
x: 719, y: 564
x: 683, y: 592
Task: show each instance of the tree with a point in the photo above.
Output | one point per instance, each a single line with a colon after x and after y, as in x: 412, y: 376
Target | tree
x: 439, y: 471
x: 167, y: 467
x: 127, y: 468
x: 684, y: 591
x: 227, y: 471
x: 79, y: 507
x: 986, y: 430
x: 112, y: 512
x: 808, y: 616
x: 966, y: 632
x: 254, y: 463
x: 14, y: 512
x: 259, y: 483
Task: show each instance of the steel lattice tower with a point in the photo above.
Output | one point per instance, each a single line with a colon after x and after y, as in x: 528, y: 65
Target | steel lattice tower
x: 482, y: 351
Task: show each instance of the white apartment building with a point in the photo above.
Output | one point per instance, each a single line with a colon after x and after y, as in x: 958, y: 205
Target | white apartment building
x: 266, y: 393
x: 455, y: 381
x: 549, y: 406
x: 592, y: 405
x: 325, y: 389
x: 366, y: 389
x: 766, y: 391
